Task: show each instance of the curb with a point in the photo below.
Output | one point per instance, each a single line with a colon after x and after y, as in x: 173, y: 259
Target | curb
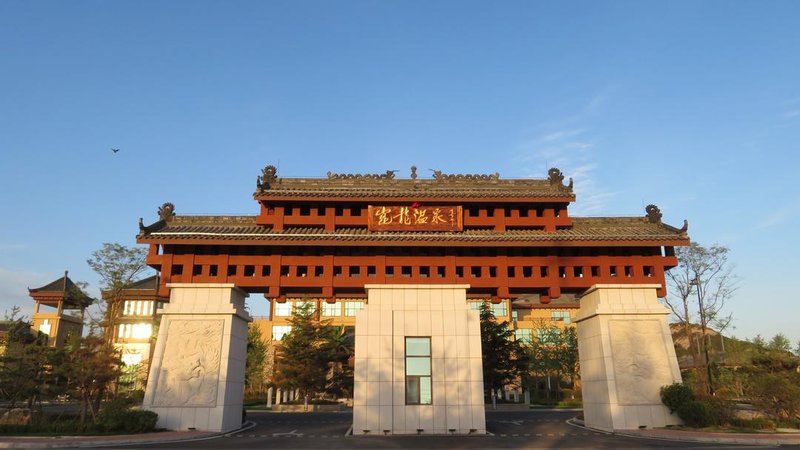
x: 679, y: 436
x: 66, y: 442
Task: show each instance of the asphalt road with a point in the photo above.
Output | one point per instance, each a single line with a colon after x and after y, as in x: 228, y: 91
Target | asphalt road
x: 511, y: 430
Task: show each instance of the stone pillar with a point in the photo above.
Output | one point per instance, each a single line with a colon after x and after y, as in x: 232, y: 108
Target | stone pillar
x: 527, y: 397
x: 279, y: 397
x: 626, y: 356
x: 269, y: 397
x: 197, y: 373
x: 394, y: 312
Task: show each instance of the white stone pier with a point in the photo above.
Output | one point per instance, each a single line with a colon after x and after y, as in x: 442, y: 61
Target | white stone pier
x: 452, y: 397
x: 626, y: 356
x: 197, y: 374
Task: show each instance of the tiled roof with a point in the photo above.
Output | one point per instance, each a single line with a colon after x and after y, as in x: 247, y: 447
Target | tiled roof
x: 414, y: 189
x: 56, y: 285
x: 74, y: 294
x: 145, y: 283
x: 234, y: 228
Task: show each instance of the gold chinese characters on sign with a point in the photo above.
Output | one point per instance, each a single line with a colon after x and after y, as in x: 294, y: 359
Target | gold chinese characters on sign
x: 415, y: 218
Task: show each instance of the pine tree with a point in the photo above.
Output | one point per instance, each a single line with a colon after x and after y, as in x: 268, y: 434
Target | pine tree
x: 255, y: 365
x: 304, y: 354
x: 504, y: 358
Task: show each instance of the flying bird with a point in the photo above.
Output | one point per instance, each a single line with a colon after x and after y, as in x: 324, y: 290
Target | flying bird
x: 115, y: 150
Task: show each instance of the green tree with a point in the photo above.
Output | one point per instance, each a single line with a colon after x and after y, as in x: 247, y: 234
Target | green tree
x: 255, y: 366
x: 553, y: 354
x: 27, y: 365
x: 118, y: 266
x: 781, y: 343
x: 504, y: 358
x: 91, y: 366
x: 340, y: 374
x: 304, y: 354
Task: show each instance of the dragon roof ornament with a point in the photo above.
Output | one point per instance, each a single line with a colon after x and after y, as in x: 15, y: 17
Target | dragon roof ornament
x: 556, y: 178
x: 166, y: 212
x: 267, y: 177
x: 653, y: 213
x: 654, y: 216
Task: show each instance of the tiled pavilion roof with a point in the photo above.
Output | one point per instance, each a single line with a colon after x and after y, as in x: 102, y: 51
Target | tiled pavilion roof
x: 62, y: 288
x: 461, y: 186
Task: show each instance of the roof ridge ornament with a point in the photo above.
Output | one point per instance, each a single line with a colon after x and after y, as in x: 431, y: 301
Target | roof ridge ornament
x: 653, y: 213
x: 556, y: 178
x: 389, y: 175
x: 166, y: 212
x: 267, y: 177
x: 441, y: 177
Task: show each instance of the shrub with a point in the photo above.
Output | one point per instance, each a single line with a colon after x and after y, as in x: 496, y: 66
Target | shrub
x: 117, y: 416
x: 140, y: 421
x: 756, y: 423
x: 696, y: 414
x: 676, y: 395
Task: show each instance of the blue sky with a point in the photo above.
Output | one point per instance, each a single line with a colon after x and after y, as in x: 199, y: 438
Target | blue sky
x: 693, y: 106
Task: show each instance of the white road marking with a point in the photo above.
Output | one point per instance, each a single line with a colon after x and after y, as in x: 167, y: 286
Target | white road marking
x: 292, y: 433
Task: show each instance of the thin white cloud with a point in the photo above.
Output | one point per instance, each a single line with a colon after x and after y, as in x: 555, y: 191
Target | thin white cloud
x: 570, y: 145
x: 779, y: 217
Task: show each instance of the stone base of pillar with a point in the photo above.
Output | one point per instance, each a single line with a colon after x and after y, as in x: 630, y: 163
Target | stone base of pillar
x: 197, y: 373
x: 626, y: 355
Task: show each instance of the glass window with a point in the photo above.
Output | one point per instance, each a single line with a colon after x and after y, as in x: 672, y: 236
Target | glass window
x: 418, y: 371
x: 351, y: 308
x: 561, y: 315
x: 278, y: 331
x: 524, y: 335
x: 476, y: 305
x: 499, y: 309
x: 283, y: 309
x: 331, y: 309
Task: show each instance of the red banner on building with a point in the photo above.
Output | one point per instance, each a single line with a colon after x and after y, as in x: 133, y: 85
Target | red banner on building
x: 415, y: 218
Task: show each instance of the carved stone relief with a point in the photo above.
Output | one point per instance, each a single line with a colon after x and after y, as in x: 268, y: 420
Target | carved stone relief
x: 189, y: 372
x: 641, y: 364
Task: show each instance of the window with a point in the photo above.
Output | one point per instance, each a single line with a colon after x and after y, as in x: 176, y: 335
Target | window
x: 524, y: 335
x: 351, y: 308
x: 278, y: 331
x: 475, y: 304
x: 283, y: 309
x: 331, y: 309
x: 499, y: 309
x: 560, y: 315
x: 418, y: 371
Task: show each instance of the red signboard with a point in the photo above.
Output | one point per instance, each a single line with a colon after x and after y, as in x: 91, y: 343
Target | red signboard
x: 415, y: 218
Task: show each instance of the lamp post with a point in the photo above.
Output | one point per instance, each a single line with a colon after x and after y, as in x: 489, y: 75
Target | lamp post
x: 701, y: 308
